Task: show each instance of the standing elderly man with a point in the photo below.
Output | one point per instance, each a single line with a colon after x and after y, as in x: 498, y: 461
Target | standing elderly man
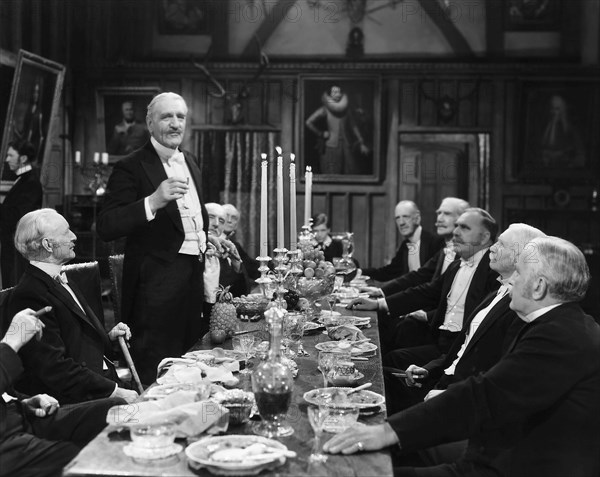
x: 24, y: 196
x: 72, y: 360
x: 416, y: 248
x: 537, y: 411
x: 153, y: 199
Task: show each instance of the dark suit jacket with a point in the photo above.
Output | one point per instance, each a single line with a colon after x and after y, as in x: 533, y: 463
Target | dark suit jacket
x: 433, y: 294
x: 491, y: 340
x: 428, y: 272
x: 536, y: 413
x: 430, y: 244
x: 335, y: 249
x: 10, y: 369
x: 67, y: 362
x: 23, y: 197
x: 123, y: 215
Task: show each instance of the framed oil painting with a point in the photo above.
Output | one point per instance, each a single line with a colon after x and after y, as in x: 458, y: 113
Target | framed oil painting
x: 33, y: 106
x: 555, y: 130
x: 121, y: 113
x: 338, y: 128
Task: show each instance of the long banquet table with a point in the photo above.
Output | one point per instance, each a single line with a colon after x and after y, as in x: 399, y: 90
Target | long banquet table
x: 104, y: 455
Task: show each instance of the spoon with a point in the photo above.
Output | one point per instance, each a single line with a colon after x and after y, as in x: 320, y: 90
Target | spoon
x: 359, y: 388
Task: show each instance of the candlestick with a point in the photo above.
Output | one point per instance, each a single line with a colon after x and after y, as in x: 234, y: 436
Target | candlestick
x: 78, y: 157
x: 96, y: 157
x: 105, y: 158
x: 307, y: 195
x: 293, y: 225
x: 264, y: 240
x: 280, y: 225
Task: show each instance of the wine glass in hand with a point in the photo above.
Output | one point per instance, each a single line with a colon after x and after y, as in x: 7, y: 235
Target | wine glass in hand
x: 317, y: 415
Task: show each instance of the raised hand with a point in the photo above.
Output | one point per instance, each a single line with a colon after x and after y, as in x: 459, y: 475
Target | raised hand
x: 170, y: 189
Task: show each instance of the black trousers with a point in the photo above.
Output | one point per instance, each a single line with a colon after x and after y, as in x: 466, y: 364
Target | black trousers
x: 167, y: 317
x: 41, y: 447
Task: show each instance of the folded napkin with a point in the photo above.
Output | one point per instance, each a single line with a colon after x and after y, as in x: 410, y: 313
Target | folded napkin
x: 196, y: 371
x: 190, y: 417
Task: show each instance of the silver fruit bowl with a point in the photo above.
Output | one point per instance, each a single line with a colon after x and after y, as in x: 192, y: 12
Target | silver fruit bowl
x: 313, y: 289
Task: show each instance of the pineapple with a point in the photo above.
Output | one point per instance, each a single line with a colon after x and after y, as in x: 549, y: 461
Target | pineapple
x: 223, y: 315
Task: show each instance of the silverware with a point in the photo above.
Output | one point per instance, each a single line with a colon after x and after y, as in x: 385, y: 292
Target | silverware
x: 359, y: 388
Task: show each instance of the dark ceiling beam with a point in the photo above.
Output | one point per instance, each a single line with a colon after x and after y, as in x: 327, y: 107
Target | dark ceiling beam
x: 440, y: 17
x: 276, y: 14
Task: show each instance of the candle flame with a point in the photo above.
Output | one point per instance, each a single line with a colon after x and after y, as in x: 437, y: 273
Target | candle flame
x: 264, y: 156
x: 278, y: 149
x: 308, y: 169
x: 292, y: 157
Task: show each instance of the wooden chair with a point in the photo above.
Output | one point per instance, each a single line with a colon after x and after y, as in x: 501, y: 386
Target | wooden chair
x: 4, y: 318
x: 115, y: 264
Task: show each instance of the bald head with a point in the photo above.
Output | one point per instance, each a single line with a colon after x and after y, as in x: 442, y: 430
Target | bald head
x: 408, y: 218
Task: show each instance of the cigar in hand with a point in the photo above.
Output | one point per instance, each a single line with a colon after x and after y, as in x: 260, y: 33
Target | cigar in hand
x: 37, y: 314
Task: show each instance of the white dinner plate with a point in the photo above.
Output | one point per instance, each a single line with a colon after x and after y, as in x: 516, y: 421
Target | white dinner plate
x: 363, y: 399
x: 200, y: 454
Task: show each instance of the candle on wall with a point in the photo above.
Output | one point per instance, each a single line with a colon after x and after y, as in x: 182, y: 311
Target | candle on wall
x: 293, y: 233
x: 264, y: 245
x: 307, y: 195
x: 78, y: 157
x: 280, y: 225
x: 96, y: 158
x: 105, y: 158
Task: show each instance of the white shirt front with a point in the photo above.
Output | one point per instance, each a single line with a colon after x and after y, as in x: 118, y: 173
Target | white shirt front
x: 189, y: 206
x: 475, y: 323
x: 455, y: 306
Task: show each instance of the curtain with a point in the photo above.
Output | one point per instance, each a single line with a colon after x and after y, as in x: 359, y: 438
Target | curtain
x: 230, y: 165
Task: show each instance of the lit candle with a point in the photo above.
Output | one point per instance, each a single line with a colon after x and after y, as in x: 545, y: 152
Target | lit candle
x: 264, y: 249
x: 78, y: 157
x: 96, y: 157
x: 280, y: 234
x: 105, y: 158
x: 307, y: 195
x: 293, y: 233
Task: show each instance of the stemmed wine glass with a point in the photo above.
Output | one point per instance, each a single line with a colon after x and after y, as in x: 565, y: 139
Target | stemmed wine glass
x: 245, y: 344
x: 325, y: 364
x: 317, y: 415
x: 331, y: 301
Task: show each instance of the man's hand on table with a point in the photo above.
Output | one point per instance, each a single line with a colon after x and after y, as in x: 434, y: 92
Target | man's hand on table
x: 364, y: 438
x: 126, y: 394
x: 363, y: 304
x: 372, y: 291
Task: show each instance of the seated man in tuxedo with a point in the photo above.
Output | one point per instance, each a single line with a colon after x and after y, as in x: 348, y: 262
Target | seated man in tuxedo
x: 226, y: 268
x: 537, y: 411
x: 454, y: 295
x: 71, y: 361
x: 447, y: 214
x: 231, y: 224
x: 416, y: 248
x: 37, y: 435
x: 485, y: 336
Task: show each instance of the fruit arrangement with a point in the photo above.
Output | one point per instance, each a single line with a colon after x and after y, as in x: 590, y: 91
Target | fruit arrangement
x: 313, y: 262
x: 223, y: 317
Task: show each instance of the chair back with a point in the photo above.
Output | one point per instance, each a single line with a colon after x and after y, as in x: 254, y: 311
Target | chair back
x: 115, y: 264
x: 4, y: 318
x: 87, y: 277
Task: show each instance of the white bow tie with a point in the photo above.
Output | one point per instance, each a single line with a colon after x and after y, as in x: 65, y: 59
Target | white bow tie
x: 177, y: 158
